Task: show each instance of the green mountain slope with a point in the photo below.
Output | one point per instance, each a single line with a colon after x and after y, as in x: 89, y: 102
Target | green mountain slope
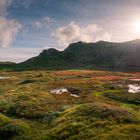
x: 7, y: 65
x: 100, y: 55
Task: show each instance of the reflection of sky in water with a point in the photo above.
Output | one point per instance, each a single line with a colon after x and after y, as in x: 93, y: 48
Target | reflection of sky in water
x: 133, y: 88
x: 2, y: 77
x: 61, y: 91
x: 134, y: 79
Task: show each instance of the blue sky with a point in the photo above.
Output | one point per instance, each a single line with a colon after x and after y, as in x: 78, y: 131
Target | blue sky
x: 29, y: 26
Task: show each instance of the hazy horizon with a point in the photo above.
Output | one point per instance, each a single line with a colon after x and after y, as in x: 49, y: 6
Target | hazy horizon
x: 39, y: 51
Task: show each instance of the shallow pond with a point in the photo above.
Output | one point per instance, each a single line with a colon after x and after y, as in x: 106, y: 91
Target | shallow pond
x: 61, y: 90
x: 4, y: 77
x: 136, y: 79
x: 133, y: 88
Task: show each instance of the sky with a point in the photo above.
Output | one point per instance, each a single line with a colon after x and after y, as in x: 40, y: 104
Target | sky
x: 29, y: 26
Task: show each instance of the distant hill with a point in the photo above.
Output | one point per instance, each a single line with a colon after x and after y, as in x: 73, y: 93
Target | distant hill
x: 6, y: 65
x: 80, y: 55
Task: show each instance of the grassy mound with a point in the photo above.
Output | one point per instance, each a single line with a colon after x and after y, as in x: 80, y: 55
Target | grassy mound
x: 132, y: 98
x: 95, y: 121
x: 12, y: 129
x: 103, y: 111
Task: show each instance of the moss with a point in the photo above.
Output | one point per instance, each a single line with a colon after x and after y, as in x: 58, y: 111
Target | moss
x: 31, y: 112
x: 124, y: 97
x: 10, y: 128
x: 101, y: 118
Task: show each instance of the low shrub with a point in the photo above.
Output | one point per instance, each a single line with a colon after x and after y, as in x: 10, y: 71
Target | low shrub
x: 10, y: 128
x: 28, y: 81
x: 132, y: 98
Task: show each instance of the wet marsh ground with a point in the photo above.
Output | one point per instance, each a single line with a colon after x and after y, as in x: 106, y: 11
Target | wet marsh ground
x: 104, y: 109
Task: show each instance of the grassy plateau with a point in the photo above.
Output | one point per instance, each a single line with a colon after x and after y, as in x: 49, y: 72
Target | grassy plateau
x: 104, y: 109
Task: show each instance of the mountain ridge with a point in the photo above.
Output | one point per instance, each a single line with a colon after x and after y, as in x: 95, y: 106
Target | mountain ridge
x: 82, y: 55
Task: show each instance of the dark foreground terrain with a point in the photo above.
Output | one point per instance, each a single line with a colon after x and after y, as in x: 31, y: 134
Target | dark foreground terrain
x: 97, y: 105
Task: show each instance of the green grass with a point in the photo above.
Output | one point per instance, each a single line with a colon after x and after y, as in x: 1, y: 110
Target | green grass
x: 93, y: 121
x: 12, y: 128
x: 30, y: 112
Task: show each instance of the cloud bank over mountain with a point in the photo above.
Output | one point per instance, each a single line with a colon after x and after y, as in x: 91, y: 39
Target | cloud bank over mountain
x: 74, y: 32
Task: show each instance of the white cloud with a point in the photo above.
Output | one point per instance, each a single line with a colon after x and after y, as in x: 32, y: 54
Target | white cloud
x: 8, y: 31
x: 43, y: 22
x: 4, y: 4
x: 8, y: 28
x: 28, y: 3
x: 24, y: 3
x: 74, y: 32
